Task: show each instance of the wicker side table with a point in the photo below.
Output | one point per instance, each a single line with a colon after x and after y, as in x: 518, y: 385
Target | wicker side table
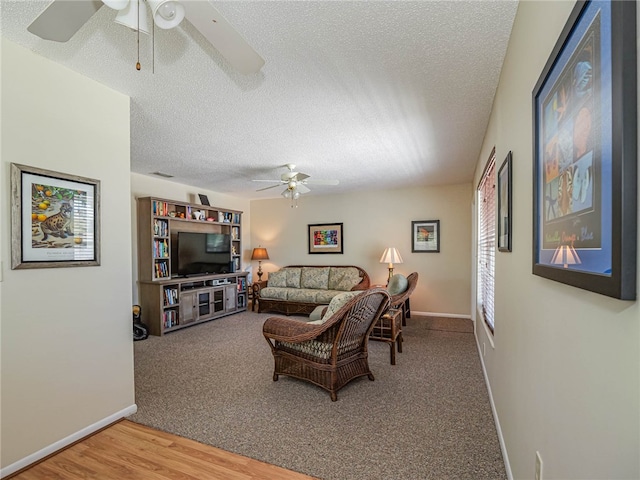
x: 389, y: 329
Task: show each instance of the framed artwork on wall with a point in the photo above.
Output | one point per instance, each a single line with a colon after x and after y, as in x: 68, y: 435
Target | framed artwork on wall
x: 425, y: 236
x: 325, y: 238
x: 585, y: 156
x: 504, y: 205
x: 55, y: 219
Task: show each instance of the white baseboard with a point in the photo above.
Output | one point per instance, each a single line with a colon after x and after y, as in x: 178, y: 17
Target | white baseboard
x: 60, y: 444
x: 503, y: 447
x: 434, y: 314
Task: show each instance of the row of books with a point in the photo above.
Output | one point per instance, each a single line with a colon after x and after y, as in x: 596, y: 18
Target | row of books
x: 160, y: 209
x: 242, y: 284
x: 235, y: 233
x: 161, y: 270
x: 160, y: 249
x: 160, y: 228
x: 170, y: 318
x: 170, y: 296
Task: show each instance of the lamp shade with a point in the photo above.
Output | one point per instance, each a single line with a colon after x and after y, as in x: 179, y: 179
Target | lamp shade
x: 391, y: 255
x: 129, y: 16
x: 166, y: 13
x: 259, y: 253
x: 565, y: 255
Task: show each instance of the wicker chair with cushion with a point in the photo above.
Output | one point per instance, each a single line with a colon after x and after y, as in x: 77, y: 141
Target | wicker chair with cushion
x: 332, y: 351
x: 400, y: 289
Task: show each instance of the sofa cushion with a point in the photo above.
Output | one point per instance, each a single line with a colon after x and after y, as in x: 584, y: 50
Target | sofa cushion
x: 325, y: 296
x: 302, y: 295
x: 398, y: 284
x: 275, y: 293
x: 278, y: 279
x: 343, y: 278
x: 293, y: 277
x: 315, y: 277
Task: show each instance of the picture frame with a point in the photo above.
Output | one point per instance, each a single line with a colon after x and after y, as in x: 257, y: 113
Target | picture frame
x: 505, y: 226
x: 425, y: 236
x: 325, y: 238
x: 55, y: 219
x: 204, y: 200
x: 584, y: 151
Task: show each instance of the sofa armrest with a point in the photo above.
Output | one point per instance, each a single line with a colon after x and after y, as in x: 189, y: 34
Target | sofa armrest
x: 257, y: 286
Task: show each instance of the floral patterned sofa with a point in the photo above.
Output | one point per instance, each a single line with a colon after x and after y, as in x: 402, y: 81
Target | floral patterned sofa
x: 299, y: 289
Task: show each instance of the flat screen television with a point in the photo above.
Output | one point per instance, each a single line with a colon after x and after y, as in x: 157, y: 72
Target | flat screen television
x: 204, y: 253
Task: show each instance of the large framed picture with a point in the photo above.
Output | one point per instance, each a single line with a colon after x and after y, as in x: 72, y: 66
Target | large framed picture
x: 425, y: 236
x: 55, y: 219
x: 325, y: 238
x: 504, y: 205
x: 585, y: 158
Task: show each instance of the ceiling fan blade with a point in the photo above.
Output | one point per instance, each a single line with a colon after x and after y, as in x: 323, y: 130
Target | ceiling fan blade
x: 267, y: 188
x: 322, y: 182
x: 63, y: 18
x: 302, y: 189
x: 301, y: 176
x: 219, y: 32
x: 256, y: 180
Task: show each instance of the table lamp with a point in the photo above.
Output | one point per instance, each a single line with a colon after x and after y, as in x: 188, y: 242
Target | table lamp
x: 390, y: 256
x: 259, y: 254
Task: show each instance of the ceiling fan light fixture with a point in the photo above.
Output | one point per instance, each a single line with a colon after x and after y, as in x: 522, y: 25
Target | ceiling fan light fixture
x: 166, y: 13
x: 116, y: 4
x: 129, y: 16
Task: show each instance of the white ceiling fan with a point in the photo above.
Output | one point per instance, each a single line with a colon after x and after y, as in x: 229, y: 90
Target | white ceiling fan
x: 295, y: 183
x: 63, y: 18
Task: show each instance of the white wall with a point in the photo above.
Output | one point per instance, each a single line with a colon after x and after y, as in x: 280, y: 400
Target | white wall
x: 150, y: 186
x: 565, y: 369
x: 67, y: 350
x: 373, y: 221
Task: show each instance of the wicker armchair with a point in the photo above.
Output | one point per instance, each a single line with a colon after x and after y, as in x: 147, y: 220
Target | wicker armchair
x: 401, y: 300
x: 330, y: 354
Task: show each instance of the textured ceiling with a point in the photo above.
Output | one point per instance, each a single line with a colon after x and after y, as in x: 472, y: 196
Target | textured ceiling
x: 374, y: 94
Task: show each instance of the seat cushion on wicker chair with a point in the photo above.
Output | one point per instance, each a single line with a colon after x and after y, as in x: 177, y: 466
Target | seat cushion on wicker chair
x: 336, y: 304
x: 317, y: 313
x: 397, y: 284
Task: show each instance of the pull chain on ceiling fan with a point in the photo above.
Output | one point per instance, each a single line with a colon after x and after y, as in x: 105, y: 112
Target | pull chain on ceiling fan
x: 63, y: 18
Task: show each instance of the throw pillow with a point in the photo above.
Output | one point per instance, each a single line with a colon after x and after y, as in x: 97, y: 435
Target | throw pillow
x: 397, y: 284
x: 278, y: 279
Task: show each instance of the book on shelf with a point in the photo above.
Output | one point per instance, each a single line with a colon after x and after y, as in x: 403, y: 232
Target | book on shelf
x: 170, y: 319
x: 161, y: 269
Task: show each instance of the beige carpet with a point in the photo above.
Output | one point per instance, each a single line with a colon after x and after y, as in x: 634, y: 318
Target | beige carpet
x: 428, y: 417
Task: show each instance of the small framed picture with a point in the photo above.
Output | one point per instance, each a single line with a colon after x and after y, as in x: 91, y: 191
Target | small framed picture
x: 425, y: 236
x: 55, y: 219
x: 504, y: 205
x: 325, y: 238
x: 204, y: 200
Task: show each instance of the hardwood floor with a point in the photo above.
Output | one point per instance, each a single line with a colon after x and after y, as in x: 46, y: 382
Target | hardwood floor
x: 127, y: 450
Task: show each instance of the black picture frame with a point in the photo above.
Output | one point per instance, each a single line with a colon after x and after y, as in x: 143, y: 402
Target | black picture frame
x: 425, y: 236
x: 204, y: 200
x: 325, y: 238
x: 55, y: 219
x: 585, y: 153
x: 505, y: 221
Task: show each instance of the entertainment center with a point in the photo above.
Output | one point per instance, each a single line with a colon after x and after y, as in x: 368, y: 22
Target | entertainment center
x: 188, y: 263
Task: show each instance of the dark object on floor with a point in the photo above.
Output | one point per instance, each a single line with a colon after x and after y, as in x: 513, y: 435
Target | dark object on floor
x: 140, y: 330
x: 330, y: 354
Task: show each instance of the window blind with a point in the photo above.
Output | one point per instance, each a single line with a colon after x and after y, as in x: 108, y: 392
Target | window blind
x: 487, y: 241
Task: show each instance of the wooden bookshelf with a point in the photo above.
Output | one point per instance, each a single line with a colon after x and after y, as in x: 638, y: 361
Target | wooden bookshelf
x: 169, y: 302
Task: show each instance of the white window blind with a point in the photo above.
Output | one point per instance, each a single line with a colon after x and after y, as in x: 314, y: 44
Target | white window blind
x: 487, y: 241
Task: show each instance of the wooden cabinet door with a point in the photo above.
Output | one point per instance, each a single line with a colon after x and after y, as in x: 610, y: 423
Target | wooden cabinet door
x: 230, y: 297
x: 188, y: 307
